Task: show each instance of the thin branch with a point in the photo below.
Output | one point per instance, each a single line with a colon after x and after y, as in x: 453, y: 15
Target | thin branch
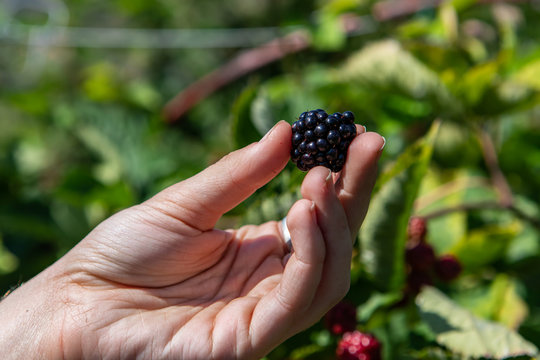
x: 484, y: 205
x: 234, y: 69
x: 506, y: 198
x: 449, y: 188
x: 497, y: 177
x: 392, y: 9
x: 251, y: 60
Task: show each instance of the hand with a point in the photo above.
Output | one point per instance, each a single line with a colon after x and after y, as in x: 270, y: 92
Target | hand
x: 157, y: 280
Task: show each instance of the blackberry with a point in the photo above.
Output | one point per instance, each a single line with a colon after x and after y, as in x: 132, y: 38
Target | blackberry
x: 320, y: 139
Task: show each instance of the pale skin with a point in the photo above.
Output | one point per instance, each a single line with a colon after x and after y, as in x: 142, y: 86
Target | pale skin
x: 159, y: 281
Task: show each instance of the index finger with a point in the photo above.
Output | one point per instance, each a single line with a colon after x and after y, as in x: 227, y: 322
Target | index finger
x: 358, y: 177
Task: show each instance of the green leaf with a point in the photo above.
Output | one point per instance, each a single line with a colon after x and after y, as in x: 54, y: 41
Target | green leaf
x: 376, y: 303
x: 444, y: 189
x: 8, y: 261
x: 507, y: 307
x: 475, y: 82
x: 330, y: 34
x: 430, y: 353
x: 383, y: 235
x: 306, y: 352
x: 465, y: 334
x: 110, y: 170
x: 262, y: 115
x: 244, y: 131
x: 483, y: 246
x: 101, y: 83
x: 144, y: 95
x: 386, y: 67
x: 529, y: 75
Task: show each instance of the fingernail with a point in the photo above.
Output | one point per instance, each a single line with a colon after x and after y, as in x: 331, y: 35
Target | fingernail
x: 365, y: 129
x: 313, y: 211
x: 329, y: 177
x: 384, y: 143
x: 268, y: 133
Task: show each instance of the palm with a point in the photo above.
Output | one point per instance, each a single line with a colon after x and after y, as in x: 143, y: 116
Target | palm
x: 211, y: 306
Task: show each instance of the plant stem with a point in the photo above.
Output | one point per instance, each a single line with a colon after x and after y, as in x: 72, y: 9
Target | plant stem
x: 498, y: 179
x: 483, y: 205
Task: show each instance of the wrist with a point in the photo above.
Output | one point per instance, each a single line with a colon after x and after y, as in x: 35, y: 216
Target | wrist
x: 32, y: 316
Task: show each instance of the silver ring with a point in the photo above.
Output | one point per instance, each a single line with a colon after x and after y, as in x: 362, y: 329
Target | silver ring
x: 286, y: 234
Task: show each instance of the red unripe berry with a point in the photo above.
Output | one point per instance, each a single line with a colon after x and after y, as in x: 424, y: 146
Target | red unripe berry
x: 447, y: 267
x: 420, y: 257
x: 358, y: 346
x: 417, y: 229
x: 341, y: 318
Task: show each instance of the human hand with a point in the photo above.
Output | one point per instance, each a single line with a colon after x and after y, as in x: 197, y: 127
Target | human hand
x: 157, y: 280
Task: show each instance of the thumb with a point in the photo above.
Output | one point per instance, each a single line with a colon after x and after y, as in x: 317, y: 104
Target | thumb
x: 201, y: 200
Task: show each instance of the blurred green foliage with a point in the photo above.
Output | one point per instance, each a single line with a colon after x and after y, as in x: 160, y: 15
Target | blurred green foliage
x: 82, y: 137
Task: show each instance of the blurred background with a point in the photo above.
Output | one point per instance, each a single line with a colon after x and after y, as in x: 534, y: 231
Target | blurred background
x: 104, y: 103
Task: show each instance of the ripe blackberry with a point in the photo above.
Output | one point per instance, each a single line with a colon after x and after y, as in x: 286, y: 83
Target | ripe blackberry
x: 341, y: 318
x: 447, y: 267
x: 358, y: 346
x: 320, y: 139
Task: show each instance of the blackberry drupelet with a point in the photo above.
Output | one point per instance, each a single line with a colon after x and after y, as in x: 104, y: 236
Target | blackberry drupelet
x: 320, y: 139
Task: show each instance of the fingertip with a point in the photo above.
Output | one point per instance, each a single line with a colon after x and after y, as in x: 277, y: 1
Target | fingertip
x: 301, y: 211
x: 280, y: 132
x: 370, y: 141
x: 317, y: 179
x: 358, y: 176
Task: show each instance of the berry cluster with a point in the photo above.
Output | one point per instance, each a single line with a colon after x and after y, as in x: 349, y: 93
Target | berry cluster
x: 423, y: 264
x: 358, y: 346
x: 319, y: 139
x: 353, y: 345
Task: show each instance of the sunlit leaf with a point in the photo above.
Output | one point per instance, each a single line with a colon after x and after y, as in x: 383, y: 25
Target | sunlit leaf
x: 144, y: 95
x: 463, y: 333
x: 383, y: 234
x: 306, y: 352
x: 377, y: 302
x: 386, y: 66
x: 8, y: 261
x: 330, y: 34
x: 485, y: 245
x: 508, y: 307
x: 474, y: 83
x: 529, y: 75
x: 262, y: 115
x: 101, y: 82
